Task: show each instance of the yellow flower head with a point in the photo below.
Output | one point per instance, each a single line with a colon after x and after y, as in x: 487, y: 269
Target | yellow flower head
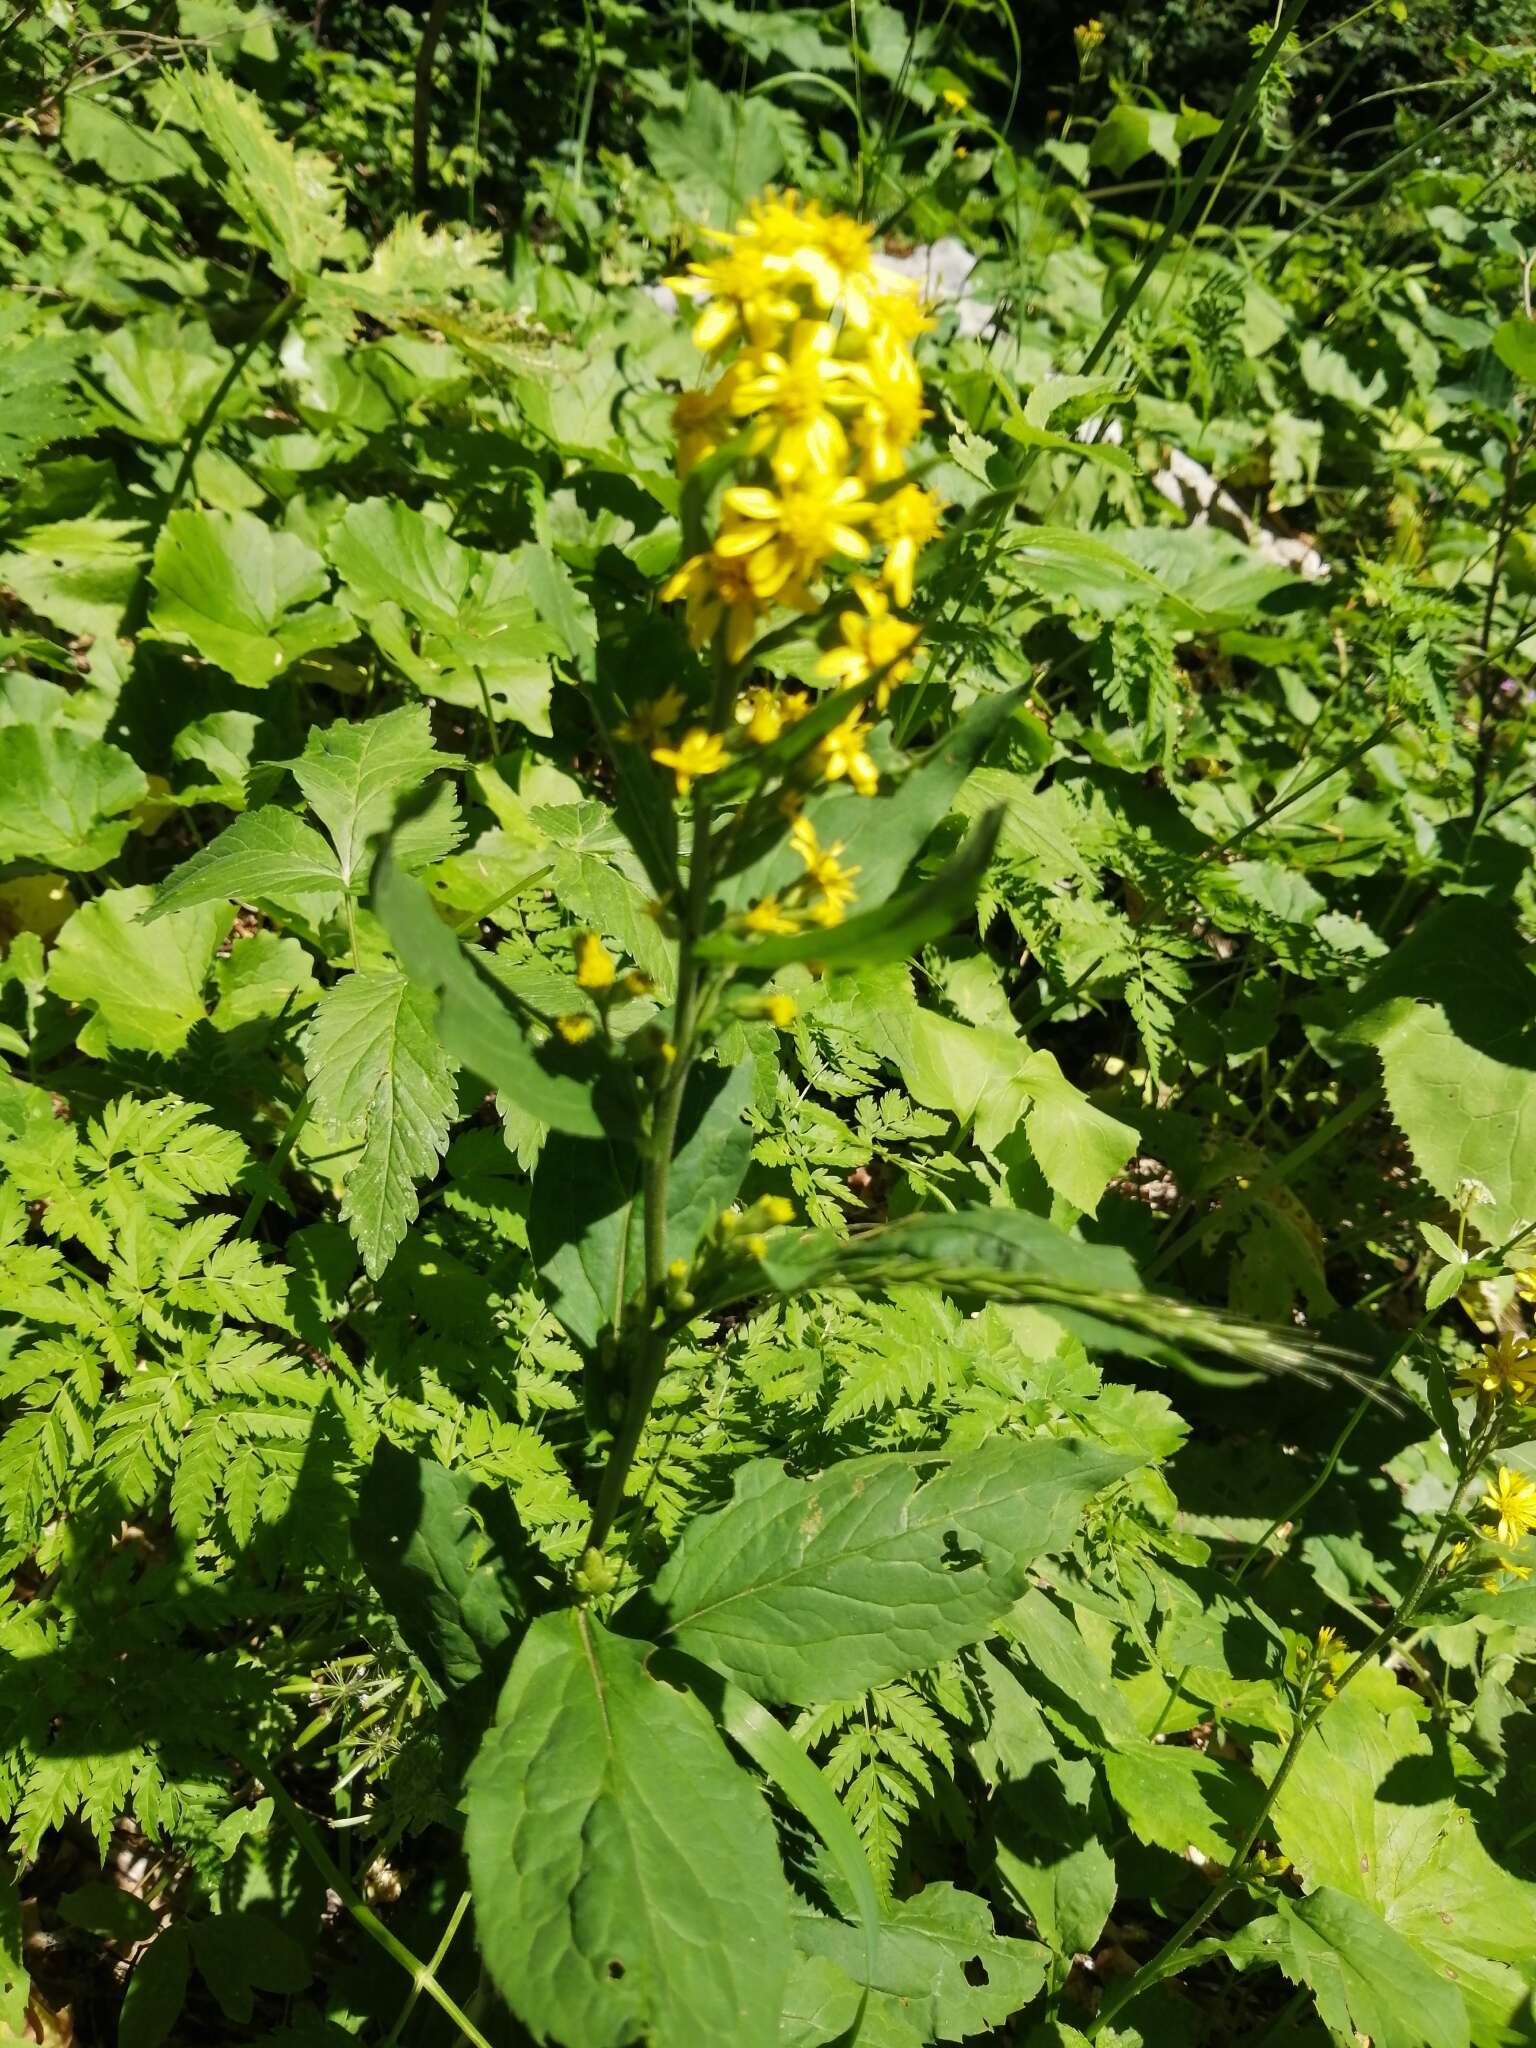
x: 824, y: 871
x: 1511, y: 1500
x: 906, y: 521
x: 958, y: 100
x: 697, y: 753
x: 1507, y: 1368
x: 746, y: 293
x: 875, y: 644
x: 651, y: 721
x: 595, y: 965
x: 844, y: 752
x: 790, y: 535
x: 705, y: 419
x: 763, y: 714
x: 892, y: 412
x: 781, y: 1011
x: 576, y: 1028
x: 771, y: 919
x: 792, y: 396
x: 716, y: 591
x: 1525, y: 1284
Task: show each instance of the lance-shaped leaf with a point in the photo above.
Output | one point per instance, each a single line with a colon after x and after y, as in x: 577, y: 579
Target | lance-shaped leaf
x: 240, y: 592
x: 375, y: 1065
x: 817, y: 1589
x: 626, y: 1878
x: 473, y: 1022
x: 891, y: 931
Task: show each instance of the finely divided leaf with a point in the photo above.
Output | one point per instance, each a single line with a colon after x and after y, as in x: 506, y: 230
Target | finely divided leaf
x: 817, y: 1589
x: 626, y: 1878
x: 375, y: 1066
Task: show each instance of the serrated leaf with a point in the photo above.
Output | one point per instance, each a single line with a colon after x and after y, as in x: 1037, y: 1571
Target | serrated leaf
x: 144, y: 987
x: 626, y: 1878
x: 66, y: 797
x: 232, y: 586
x: 156, y: 1991
x: 477, y: 629
x: 375, y: 1065
x: 1369, y: 1983
x: 355, y: 776
x: 266, y: 856
x: 289, y: 199
x: 817, y: 1589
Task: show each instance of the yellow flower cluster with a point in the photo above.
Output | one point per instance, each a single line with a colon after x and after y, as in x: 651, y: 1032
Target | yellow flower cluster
x: 817, y: 390
x: 598, y: 976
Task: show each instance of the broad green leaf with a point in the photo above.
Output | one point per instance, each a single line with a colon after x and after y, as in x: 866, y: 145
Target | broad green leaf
x: 1179, y: 1799
x: 355, y: 776
x: 586, y: 1219
x: 231, y: 586
x: 66, y: 797
x: 1127, y: 134
x: 1369, y: 1982
x: 143, y: 985
x: 477, y: 630
x: 473, y: 1022
x: 939, y: 1962
x: 433, y: 1566
x: 816, y: 1589
x: 375, y: 1066
x: 1452, y: 1017
x: 1514, y: 343
x: 626, y: 1877
x: 267, y: 856
x: 892, y: 931
x: 99, y: 128
x: 1371, y: 1810
x: 153, y: 377
x: 108, y: 1911
x: 717, y: 153
x: 76, y: 573
x: 289, y: 199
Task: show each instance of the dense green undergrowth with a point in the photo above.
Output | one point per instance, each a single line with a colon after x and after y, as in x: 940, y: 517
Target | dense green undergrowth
x: 1072, y: 1579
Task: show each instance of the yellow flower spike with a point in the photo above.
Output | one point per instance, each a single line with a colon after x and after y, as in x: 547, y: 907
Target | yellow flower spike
x: 843, y: 753
x: 874, y: 644
x: 595, y: 965
x: 777, y: 1209
x: 906, y: 521
x: 789, y: 536
x: 1505, y: 1368
x: 696, y: 754
x: 575, y: 1029
x: 771, y: 919
x: 1511, y: 1499
x: 652, y: 721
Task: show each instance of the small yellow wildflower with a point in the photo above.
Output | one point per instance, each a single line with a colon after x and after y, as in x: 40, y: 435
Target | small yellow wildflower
x: 777, y: 1209
x: 825, y: 871
x: 843, y: 753
x: 637, y: 982
x: 763, y: 714
x: 704, y: 419
x: 958, y: 100
x: 792, y: 396
x: 717, y: 590
x: 1512, y: 1500
x: 770, y: 918
x: 1505, y: 1368
x: 746, y: 292
x: 790, y: 536
x: 652, y: 721
x: 893, y: 411
x: 874, y: 644
x: 595, y: 965
x: 1525, y: 1284
x: 906, y: 521
x: 576, y: 1028
x: 781, y: 1011
x: 696, y: 754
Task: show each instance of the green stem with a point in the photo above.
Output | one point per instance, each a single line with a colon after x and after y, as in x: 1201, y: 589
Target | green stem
x: 1159, y: 1967
x: 421, y: 110
x: 420, y: 1973
x: 438, y: 1954
x: 258, y: 1202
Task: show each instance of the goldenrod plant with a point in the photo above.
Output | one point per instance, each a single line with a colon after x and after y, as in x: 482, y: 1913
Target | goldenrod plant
x: 767, y: 1202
